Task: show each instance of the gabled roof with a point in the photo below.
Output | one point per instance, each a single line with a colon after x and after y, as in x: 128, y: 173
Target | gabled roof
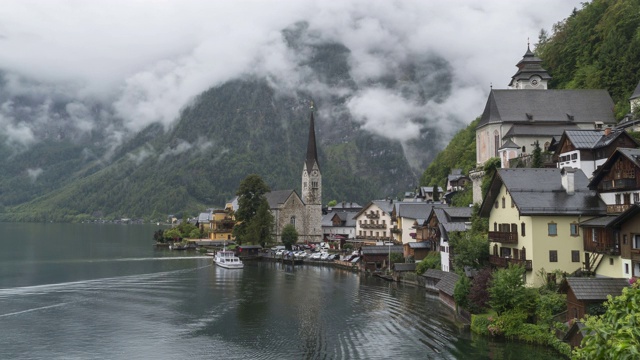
x: 204, y: 217
x: 540, y: 192
x: 404, y: 267
x: 601, y: 221
x: 419, y: 210
x: 278, y: 197
x: 596, y: 289
x: 447, y: 283
x: 591, y: 139
x: 458, y: 212
x: 632, y: 155
x: 420, y: 245
x: 381, y: 250
x: 347, y: 206
x: 509, y: 145
x: 636, y: 92
x: 547, y: 107
x: 384, y: 205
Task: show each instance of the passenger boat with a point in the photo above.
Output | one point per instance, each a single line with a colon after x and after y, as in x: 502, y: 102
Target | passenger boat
x: 227, y: 259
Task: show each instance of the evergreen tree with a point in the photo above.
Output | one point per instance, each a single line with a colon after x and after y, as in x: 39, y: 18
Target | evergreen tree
x: 251, y: 196
x: 536, y: 160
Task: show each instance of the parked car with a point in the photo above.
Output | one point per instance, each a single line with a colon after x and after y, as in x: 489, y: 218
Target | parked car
x: 280, y: 252
x: 324, y: 256
x: 316, y: 256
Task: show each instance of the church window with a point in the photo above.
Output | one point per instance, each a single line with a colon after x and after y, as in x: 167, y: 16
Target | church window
x: 524, y: 149
x: 293, y: 220
x: 496, y: 142
x: 304, y: 184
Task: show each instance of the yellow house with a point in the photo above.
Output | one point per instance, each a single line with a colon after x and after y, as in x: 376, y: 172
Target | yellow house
x: 222, y: 223
x: 534, y: 219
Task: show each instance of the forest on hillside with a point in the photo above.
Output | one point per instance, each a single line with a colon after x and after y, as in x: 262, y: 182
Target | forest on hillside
x: 595, y: 47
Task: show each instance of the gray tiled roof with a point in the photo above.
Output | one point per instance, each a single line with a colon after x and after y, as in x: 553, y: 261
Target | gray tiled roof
x: 379, y: 250
x: 540, y: 192
x: 548, y: 106
x: 587, y: 289
x: 591, y: 139
x: 599, y: 221
x: 277, y: 197
x: 636, y: 92
x: 404, y: 266
x: 415, y: 210
x: 509, y: 145
x: 420, y: 245
x: 448, y: 283
x: 454, y: 226
x: 539, y: 130
x: 434, y: 273
x: 459, y: 212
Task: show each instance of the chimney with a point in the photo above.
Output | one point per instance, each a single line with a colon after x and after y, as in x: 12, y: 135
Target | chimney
x: 607, y: 131
x: 568, y: 175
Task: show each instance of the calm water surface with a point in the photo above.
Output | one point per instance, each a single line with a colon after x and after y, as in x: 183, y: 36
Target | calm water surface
x: 74, y: 291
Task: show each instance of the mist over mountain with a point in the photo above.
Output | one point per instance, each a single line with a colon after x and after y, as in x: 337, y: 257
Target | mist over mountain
x: 170, y: 113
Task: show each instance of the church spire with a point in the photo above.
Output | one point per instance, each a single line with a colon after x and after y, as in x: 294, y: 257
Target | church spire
x: 530, y: 74
x: 312, y: 153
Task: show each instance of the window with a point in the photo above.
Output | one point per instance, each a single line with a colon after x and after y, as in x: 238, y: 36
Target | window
x: 293, y: 220
x: 636, y: 242
x: 627, y: 199
x: 304, y: 184
x: 524, y: 149
x: 575, y: 255
x: 495, y: 226
x: 610, y: 261
x: 618, y: 199
x: 553, y: 255
x: 636, y: 197
x: 552, y: 229
x: 495, y: 205
x: 503, y: 202
x: 594, y: 235
x: 574, y: 156
x: 626, y: 268
x: 624, y: 239
x: 522, y: 228
x: 496, y: 142
x: 574, y: 228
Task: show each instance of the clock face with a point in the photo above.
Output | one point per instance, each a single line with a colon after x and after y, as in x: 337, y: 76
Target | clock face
x: 315, y: 172
x: 534, y: 82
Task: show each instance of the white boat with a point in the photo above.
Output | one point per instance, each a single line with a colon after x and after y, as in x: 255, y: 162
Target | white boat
x: 227, y: 259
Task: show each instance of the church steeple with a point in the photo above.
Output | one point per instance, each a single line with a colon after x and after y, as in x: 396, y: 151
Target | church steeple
x: 312, y: 152
x: 530, y: 74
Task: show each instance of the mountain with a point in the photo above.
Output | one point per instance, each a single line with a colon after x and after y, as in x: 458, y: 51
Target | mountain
x: 70, y: 169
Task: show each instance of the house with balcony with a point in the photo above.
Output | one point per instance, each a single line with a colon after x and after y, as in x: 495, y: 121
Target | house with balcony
x: 534, y: 217
x: 589, y: 149
x: 611, y: 242
x: 440, y: 224
x: 373, y: 223
x: 221, y: 224
x: 338, y: 226
x: 405, y: 215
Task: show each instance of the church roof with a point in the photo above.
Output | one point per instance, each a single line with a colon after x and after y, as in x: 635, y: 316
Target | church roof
x: 636, y: 93
x: 527, y: 67
x: 312, y: 152
x: 278, y: 197
x: 546, y: 107
x: 509, y: 145
x: 539, y: 130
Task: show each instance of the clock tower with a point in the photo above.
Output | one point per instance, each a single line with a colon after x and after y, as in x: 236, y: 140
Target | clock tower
x: 530, y: 74
x: 312, y: 187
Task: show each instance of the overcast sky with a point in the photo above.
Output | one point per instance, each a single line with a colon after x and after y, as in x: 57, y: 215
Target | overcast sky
x: 148, y: 58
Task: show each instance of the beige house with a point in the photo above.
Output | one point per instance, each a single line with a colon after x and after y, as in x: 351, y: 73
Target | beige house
x: 373, y: 222
x: 534, y: 219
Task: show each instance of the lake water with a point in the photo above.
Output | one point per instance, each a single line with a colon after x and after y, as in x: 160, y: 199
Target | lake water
x: 80, y: 291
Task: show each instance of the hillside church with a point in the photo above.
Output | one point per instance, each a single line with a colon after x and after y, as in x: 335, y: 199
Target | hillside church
x: 304, y: 212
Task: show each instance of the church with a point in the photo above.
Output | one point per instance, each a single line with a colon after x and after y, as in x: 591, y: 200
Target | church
x: 305, y: 211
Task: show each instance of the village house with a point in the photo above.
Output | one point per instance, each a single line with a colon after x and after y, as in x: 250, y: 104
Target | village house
x: 611, y: 242
x: 589, y: 149
x: 583, y: 292
x: 373, y: 222
x: 221, y: 224
x: 405, y: 216
x: 442, y: 282
x: 442, y: 222
x: 376, y: 258
x: 338, y: 223
x: 427, y: 193
x: 534, y: 217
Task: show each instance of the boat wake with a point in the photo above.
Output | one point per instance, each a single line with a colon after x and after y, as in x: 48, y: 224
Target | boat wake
x: 32, y: 310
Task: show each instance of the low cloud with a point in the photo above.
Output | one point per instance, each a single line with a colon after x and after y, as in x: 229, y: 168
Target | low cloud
x: 33, y: 174
x: 146, y: 60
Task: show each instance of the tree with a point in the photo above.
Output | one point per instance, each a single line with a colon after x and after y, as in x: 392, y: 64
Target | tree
x: 259, y: 228
x: 250, y: 198
x: 461, y: 291
x: 332, y: 203
x: 536, y: 157
x: 479, y: 293
x: 507, y: 290
x: 289, y: 235
x: 469, y: 249
x: 616, y: 333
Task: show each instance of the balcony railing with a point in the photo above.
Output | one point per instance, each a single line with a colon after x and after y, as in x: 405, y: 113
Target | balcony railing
x: 618, y: 184
x: 608, y: 248
x: 372, y: 215
x: 503, y: 237
x: 617, y: 208
x: 504, y: 262
x: 373, y: 226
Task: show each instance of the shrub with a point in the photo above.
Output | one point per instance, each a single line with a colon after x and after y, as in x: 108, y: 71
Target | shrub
x: 479, y: 293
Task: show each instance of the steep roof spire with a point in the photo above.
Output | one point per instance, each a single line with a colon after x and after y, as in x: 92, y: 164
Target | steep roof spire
x: 312, y: 153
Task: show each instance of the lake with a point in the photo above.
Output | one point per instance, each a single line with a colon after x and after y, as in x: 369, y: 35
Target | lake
x: 88, y: 291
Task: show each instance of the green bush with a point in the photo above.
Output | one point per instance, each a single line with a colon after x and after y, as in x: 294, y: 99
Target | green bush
x: 480, y: 323
x: 431, y: 261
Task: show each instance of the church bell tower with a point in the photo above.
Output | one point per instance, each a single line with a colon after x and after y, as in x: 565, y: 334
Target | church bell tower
x: 312, y: 187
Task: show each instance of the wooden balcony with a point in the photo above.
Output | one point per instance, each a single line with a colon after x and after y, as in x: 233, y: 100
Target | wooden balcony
x: 608, y: 248
x: 503, y: 262
x: 373, y: 226
x: 503, y: 237
x: 617, y: 208
x: 372, y: 215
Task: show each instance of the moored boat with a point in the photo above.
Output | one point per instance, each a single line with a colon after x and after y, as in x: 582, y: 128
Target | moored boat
x: 227, y: 259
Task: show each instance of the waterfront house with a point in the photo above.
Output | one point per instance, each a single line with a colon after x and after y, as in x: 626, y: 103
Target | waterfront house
x: 588, y: 149
x: 338, y: 223
x: 248, y: 251
x: 221, y: 224
x: 534, y: 217
x: 444, y: 283
x: 585, y: 292
x: 440, y: 223
x: 373, y: 222
x: 376, y: 258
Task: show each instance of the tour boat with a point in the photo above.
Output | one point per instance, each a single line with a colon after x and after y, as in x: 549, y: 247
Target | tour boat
x: 227, y: 259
